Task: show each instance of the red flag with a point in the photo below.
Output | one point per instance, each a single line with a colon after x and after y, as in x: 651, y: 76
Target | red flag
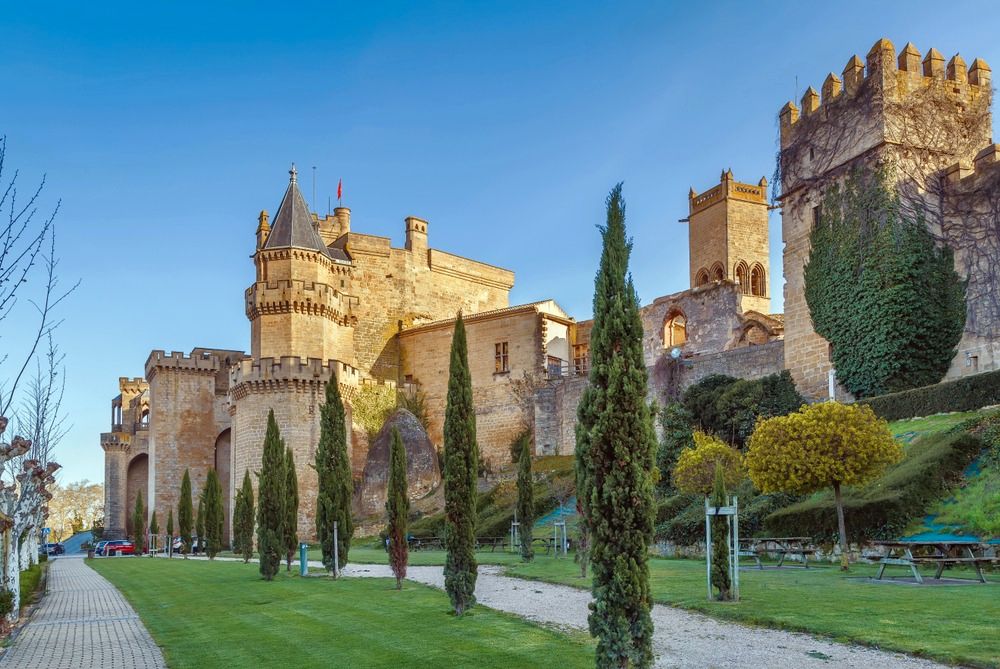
x: 340, y: 189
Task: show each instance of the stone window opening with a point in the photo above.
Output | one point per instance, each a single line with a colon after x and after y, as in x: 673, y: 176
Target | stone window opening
x: 581, y: 358
x: 144, y: 418
x: 742, y: 274
x: 675, y: 330
x: 502, y: 358
x: 718, y: 272
x: 758, y: 283
x: 702, y: 277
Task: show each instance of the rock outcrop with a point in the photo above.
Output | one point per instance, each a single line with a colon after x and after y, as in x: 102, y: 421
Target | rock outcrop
x: 422, y: 471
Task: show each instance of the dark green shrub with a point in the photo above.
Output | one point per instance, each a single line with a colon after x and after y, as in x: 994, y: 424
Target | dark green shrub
x: 700, y: 400
x: 964, y: 394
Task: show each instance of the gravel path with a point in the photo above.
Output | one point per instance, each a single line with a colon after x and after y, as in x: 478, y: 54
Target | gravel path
x: 681, y: 639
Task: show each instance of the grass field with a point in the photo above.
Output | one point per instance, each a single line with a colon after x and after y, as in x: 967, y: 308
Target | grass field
x: 955, y: 624
x: 221, y: 614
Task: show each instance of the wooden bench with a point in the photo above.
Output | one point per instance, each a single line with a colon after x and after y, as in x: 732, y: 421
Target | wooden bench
x: 900, y: 554
x: 781, y: 546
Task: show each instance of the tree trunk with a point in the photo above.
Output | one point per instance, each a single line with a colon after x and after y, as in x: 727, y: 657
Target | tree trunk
x: 11, y: 575
x: 841, y: 526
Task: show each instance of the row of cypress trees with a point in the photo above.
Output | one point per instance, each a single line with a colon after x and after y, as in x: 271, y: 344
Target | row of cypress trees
x: 278, y: 503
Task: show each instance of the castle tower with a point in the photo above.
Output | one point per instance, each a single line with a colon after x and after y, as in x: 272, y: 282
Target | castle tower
x: 298, y: 304
x: 916, y: 117
x: 728, y: 239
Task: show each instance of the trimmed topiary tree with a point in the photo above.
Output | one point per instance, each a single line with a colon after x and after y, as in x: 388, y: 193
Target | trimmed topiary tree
x: 825, y: 445
x: 214, y: 515
x: 525, y: 497
x: 397, y: 506
x: 271, y: 501
x: 291, y: 526
x: 170, y: 531
x: 881, y: 289
x: 154, y: 527
x: 616, y: 461
x: 675, y: 422
x: 335, y: 485
x: 694, y: 473
x: 139, y: 524
x: 460, y: 468
x: 185, y: 514
x: 199, y: 522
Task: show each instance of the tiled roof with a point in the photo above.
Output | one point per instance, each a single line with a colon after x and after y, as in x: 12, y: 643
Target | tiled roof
x: 293, y: 224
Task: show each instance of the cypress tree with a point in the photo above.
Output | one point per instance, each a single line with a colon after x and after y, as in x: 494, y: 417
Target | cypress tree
x: 525, y: 497
x: 139, y: 524
x: 397, y: 507
x: 170, y: 531
x: 460, y: 467
x: 271, y: 501
x: 239, y: 510
x: 720, y: 539
x: 244, y: 528
x: 290, y: 537
x: 185, y: 514
x: 615, y: 448
x: 199, y: 522
x: 333, y: 471
x: 154, y: 527
x: 214, y: 514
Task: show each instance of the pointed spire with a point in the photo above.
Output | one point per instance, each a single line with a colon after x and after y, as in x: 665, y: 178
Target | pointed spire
x: 956, y: 69
x: 979, y: 73
x: 909, y: 58
x: 293, y: 224
x: 293, y: 175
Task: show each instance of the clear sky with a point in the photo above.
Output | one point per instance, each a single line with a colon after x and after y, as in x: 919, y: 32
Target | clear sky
x: 166, y: 129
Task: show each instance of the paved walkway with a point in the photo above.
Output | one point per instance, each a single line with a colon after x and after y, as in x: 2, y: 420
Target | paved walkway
x: 82, y: 622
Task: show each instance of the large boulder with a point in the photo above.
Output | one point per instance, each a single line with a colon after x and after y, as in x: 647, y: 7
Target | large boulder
x: 422, y: 471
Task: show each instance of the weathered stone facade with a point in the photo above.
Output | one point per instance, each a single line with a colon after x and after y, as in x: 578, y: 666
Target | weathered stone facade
x: 927, y: 122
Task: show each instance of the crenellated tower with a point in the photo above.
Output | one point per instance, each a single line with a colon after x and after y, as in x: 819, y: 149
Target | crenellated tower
x: 917, y: 116
x: 728, y: 239
x: 300, y: 304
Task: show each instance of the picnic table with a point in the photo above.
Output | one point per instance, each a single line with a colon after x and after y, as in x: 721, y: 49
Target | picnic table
x: 755, y: 547
x: 941, y: 554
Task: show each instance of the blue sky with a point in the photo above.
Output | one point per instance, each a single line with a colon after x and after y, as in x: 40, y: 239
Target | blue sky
x: 164, y: 129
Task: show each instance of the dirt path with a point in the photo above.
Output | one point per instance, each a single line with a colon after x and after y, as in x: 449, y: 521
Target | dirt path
x: 682, y: 638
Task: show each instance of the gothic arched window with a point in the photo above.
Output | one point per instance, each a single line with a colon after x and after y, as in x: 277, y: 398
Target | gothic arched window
x: 742, y: 274
x: 674, y: 329
x: 718, y: 272
x: 758, y: 284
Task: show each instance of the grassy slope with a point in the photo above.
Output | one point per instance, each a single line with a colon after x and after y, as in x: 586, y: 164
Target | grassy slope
x: 222, y: 615
x: 948, y: 623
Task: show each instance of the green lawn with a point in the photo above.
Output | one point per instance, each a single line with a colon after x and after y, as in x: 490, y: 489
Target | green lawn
x: 949, y: 623
x: 221, y: 614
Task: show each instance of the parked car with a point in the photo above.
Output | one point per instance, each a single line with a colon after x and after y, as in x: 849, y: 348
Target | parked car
x: 98, y: 546
x: 55, y: 549
x: 117, y: 547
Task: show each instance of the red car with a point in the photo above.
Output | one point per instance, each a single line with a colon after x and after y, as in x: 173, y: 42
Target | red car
x: 119, y: 547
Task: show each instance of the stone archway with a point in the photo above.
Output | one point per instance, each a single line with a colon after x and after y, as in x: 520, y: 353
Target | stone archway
x: 136, y: 480
x: 224, y: 468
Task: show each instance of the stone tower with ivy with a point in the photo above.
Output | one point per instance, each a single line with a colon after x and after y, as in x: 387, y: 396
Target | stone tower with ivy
x: 928, y: 121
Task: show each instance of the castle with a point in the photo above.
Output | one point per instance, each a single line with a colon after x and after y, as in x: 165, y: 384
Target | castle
x: 329, y: 303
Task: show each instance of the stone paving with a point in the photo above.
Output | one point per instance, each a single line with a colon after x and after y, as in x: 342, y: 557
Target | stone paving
x: 83, y: 621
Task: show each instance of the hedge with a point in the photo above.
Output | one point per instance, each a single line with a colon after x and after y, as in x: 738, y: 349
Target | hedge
x: 883, y: 508
x: 965, y: 394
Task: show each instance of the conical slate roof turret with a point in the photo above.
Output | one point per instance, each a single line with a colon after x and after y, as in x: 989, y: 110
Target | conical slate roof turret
x: 293, y: 225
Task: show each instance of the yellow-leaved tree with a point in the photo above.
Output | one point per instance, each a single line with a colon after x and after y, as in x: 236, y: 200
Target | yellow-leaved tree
x: 825, y: 445
x: 694, y: 472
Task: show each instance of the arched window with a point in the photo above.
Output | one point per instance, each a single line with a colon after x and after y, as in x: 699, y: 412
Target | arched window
x: 144, y: 419
x: 675, y: 330
x: 718, y: 272
x: 702, y: 277
x: 758, y: 284
x: 742, y: 274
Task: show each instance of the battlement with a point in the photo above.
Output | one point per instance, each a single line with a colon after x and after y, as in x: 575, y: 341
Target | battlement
x: 305, y: 297
x: 965, y: 176
x: 132, y: 386
x: 199, y: 361
x: 895, y: 77
x: 294, y: 372
x: 728, y: 187
x: 119, y: 441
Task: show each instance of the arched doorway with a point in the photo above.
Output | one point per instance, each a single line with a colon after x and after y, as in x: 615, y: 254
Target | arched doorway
x: 136, y: 481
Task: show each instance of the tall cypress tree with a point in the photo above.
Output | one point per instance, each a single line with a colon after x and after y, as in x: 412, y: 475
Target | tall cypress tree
x: 214, y: 514
x: 720, y: 539
x: 154, y: 528
x: 170, y: 531
x: 397, y: 506
x: 333, y: 470
x: 290, y: 536
x: 243, y: 519
x: 525, y: 497
x: 271, y: 501
x: 199, y: 521
x: 185, y: 514
x: 615, y: 448
x: 460, y: 469
x: 139, y: 524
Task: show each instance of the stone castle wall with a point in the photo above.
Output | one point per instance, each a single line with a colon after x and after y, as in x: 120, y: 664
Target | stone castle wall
x: 916, y: 118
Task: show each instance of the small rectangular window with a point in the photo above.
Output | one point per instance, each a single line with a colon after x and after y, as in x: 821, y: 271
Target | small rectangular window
x: 817, y: 213
x: 502, y: 359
